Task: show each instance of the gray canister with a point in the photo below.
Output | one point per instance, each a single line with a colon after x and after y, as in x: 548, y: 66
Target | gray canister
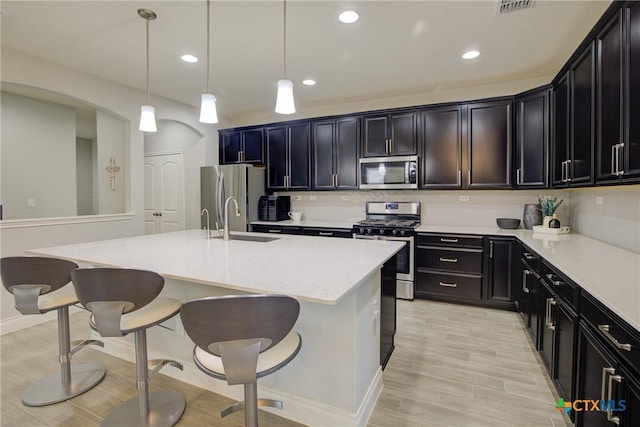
x: 531, y: 216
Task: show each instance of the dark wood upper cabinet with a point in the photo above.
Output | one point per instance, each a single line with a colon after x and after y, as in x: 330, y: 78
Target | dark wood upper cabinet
x: 489, y: 145
x: 390, y: 134
x: 288, y: 157
x: 242, y: 146
x: 532, y: 140
x: 335, y: 154
x: 631, y: 150
x: 560, y: 140
x: 441, y: 144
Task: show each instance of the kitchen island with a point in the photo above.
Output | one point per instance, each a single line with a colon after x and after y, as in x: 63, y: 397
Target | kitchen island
x: 336, y: 377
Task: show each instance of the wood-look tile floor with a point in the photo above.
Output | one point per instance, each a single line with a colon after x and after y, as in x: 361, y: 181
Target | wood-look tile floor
x: 453, y: 366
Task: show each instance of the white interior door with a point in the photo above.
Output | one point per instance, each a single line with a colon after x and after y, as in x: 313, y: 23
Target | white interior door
x: 163, y: 193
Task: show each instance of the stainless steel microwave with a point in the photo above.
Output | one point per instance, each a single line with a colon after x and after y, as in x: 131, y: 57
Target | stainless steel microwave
x: 388, y: 173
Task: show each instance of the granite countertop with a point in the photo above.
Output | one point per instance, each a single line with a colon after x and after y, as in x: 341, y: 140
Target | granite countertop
x: 305, y: 267
x: 309, y: 223
x: 609, y: 273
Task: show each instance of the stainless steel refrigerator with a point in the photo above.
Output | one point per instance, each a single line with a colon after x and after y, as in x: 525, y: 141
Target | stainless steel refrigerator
x: 217, y: 183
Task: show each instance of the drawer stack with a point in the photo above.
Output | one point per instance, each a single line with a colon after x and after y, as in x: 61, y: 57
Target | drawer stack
x: 449, y: 266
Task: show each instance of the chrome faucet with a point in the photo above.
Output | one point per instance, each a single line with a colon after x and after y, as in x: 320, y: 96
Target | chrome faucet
x: 206, y: 229
x: 225, y: 236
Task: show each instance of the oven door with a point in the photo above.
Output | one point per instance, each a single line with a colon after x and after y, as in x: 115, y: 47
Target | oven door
x: 404, y: 256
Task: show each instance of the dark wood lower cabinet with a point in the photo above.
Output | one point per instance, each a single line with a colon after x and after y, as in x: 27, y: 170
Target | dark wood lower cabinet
x: 501, y: 271
x: 566, y: 323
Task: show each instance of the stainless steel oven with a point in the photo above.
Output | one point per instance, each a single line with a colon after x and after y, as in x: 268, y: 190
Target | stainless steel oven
x: 388, y: 173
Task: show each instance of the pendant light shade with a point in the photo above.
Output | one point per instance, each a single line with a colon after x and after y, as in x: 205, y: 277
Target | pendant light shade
x: 208, y: 110
x: 147, y: 112
x: 284, y: 98
x: 147, y: 119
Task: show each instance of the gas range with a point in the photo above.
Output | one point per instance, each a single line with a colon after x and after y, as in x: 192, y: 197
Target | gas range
x: 385, y: 227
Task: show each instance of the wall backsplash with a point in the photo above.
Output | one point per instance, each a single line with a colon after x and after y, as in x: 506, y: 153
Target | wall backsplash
x: 617, y: 221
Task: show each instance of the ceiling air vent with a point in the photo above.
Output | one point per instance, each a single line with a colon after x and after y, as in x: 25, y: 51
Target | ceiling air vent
x: 506, y: 6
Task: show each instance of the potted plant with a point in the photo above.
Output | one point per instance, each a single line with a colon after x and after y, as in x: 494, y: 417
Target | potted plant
x: 548, y: 207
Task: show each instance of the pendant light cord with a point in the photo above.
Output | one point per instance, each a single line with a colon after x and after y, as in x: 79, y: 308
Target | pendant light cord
x: 147, y: 27
x: 284, y: 57
x: 208, y: 41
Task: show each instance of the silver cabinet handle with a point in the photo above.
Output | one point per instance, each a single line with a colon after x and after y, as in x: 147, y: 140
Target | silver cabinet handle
x: 610, y: 416
x: 322, y: 233
x: 469, y: 177
x: 525, y: 273
x: 553, y: 281
x: 459, y: 177
x: 491, y: 249
x: 448, y: 259
x: 551, y: 326
x: 448, y: 285
x: 568, y: 170
x: 442, y: 239
x: 519, y: 176
x: 528, y: 256
x: 605, y: 371
x: 614, y: 154
x: 271, y: 230
x: 547, y: 312
x: 390, y: 145
x: 620, y: 159
x: 605, y: 330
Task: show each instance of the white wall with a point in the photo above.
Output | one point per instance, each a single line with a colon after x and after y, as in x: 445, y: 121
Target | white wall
x: 84, y: 176
x: 121, y: 101
x: 33, y: 126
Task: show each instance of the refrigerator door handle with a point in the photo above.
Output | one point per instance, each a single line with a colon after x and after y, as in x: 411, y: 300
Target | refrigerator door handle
x: 220, y: 201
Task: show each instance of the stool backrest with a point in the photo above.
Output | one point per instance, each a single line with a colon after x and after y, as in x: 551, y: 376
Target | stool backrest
x: 138, y: 287
x: 52, y: 273
x: 239, y: 317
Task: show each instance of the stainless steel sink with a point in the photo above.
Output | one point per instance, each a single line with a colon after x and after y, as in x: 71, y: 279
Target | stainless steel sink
x: 249, y: 238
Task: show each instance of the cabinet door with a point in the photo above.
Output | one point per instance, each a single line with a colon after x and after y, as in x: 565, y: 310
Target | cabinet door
x: 299, y: 146
x: 546, y: 332
x: 489, y: 145
x: 441, y: 148
x: 346, y: 153
x: 375, y: 136
x: 631, y: 159
x: 608, y: 97
x: 277, y: 159
x: 253, y: 146
x: 534, y: 309
x: 582, y: 120
x: 560, y: 139
x: 630, y: 417
x: 565, y: 323
x: 403, y: 134
x: 230, y: 147
x: 595, y: 364
x: 532, y: 140
x: 502, y: 262
x: 323, y: 155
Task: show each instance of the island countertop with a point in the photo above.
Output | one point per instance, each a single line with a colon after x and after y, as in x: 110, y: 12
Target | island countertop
x: 307, y: 268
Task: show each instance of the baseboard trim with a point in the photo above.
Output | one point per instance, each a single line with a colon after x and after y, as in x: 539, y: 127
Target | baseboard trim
x: 19, y: 322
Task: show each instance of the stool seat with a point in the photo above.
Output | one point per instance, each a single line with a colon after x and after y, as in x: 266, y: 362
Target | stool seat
x: 157, y: 311
x: 269, y: 361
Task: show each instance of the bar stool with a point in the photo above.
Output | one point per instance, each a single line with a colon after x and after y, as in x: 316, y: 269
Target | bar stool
x: 240, y: 338
x: 36, y: 284
x: 124, y: 301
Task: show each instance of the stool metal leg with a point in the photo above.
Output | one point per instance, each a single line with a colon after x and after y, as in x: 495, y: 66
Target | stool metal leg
x: 149, y: 409
x: 71, y: 381
x: 251, y: 405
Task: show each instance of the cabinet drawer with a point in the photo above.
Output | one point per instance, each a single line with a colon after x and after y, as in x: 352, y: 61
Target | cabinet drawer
x: 564, y: 288
x: 452, y: 240
x: 531, y: 259
x: 279, y: 229
x: 465, y: 286
x: 327, y: 232
x: 621, y: 338
x: 449, y: 259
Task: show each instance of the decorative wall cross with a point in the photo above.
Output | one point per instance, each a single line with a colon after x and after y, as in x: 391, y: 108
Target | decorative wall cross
x: 112, y: 169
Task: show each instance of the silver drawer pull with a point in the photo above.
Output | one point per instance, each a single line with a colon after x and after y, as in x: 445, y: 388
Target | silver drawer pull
x: 554, y: 282
x: 605, y: 330
x: 527, y: 255
x: 448, y: 259
x: 322, y: 233
x: 449, y: 240
x: 449, y: 285
x: 275, y: 231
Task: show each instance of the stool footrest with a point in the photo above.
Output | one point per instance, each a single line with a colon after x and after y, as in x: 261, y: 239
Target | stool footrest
x: 80, y: 344
x: 156, y: 364
x: 239, y: 406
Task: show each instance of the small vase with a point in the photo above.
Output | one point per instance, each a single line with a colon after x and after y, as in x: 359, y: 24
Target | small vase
x: 531, y: 216
x: 546, y: 220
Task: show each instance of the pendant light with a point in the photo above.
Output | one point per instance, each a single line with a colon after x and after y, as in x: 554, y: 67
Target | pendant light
x: 284, y: 99
x: 208, y: 112
x: 147, y: 112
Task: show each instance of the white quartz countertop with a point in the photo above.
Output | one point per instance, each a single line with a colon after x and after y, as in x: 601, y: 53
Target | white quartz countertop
x: 609, y: 273
x: 308, y: 223
x: 307, y: 268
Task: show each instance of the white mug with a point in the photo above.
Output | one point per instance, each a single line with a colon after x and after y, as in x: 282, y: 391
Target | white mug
x: 295, y: 216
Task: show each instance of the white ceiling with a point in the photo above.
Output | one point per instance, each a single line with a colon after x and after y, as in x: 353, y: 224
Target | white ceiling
x: 396, y: 48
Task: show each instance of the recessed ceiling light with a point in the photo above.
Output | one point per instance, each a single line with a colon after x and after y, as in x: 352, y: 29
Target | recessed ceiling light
x: 471, y: 54
x: 348, y: 17
x: 189, y: 58
x: 309, y: 82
